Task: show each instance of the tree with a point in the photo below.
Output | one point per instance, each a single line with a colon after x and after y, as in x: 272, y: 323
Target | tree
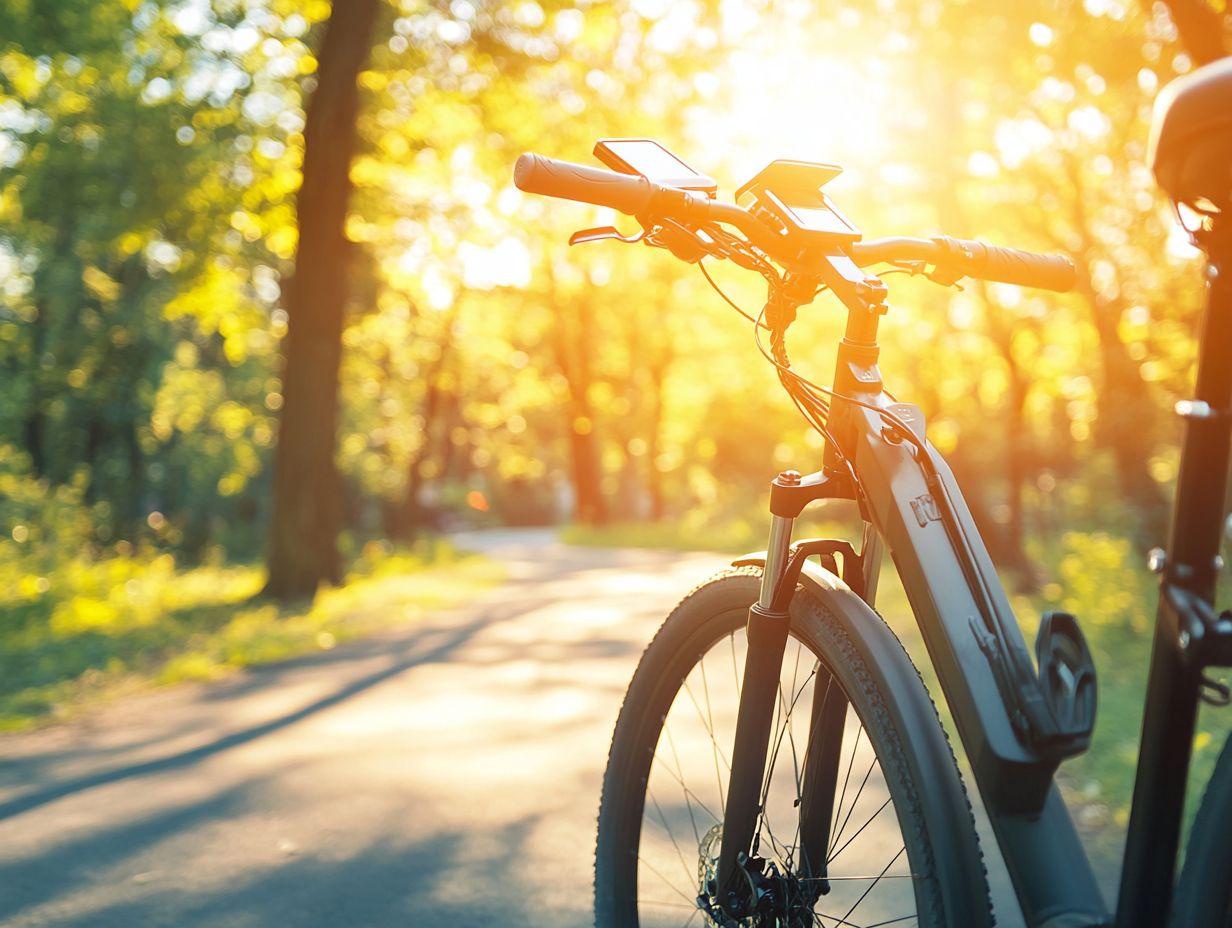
x: 303, y: 536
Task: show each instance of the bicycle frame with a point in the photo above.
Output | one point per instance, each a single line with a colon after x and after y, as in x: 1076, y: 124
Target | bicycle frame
x: 911, y: 501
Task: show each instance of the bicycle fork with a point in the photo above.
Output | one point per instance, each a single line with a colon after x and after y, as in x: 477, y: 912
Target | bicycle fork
x: 767, y: 638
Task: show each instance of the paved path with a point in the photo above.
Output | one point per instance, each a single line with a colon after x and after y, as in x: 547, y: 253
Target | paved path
x: 447, y: 776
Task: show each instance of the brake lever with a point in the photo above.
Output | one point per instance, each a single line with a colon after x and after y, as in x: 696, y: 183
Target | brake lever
x: 946, y: 276
x: 914, y: 268
x: 602, y: 233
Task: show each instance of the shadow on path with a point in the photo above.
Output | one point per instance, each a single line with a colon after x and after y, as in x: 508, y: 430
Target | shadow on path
x: 453, y: 638
x: 450, y: 880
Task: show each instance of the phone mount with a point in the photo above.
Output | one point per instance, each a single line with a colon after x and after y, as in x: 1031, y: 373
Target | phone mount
x: 788, y: 195
x: 648, y: 158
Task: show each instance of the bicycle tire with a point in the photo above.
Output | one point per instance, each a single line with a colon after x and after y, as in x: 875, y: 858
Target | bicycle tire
x: 1203, y: 897
x: 947, y: 882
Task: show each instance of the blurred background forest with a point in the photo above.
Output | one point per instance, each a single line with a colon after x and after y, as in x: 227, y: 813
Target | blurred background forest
x: 151, y: 156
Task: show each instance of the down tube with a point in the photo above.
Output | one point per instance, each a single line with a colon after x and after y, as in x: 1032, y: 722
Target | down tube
x: 1051, y: 874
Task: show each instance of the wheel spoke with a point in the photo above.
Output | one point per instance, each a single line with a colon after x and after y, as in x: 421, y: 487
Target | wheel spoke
x: 855, y: 800
x: 686, y: 770
x: 688, y: 802
x: 893, y: 921
x: 838, y: 807
x: 856, y: 879
x: 860, y: 829
x: 818, y: 916
x: 783, y: 727
x: 718, y: 775
x: 864, y: 894
x: 679, y: 778
x: 825, y: 699
x: 676, y: 889
x: 718, y: 752
x: 668, y: 828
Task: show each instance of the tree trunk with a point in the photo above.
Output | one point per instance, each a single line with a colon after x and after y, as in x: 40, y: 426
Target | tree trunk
x: 656, y: 370
x: 591, y: 507
x: 303, y: 539
x: 35, y: 429
x: 573, y: 356
x: 410, y: 514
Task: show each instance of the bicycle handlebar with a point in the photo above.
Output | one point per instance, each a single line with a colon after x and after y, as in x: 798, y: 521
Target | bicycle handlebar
x: 627, y: 193
x: 637, y: 196
x: 980, y: 260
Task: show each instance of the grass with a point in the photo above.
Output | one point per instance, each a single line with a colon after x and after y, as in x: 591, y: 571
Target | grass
x: 1098, y: 577
x: 730, y: 535
x: 91, y: 628
x: 734, y: 536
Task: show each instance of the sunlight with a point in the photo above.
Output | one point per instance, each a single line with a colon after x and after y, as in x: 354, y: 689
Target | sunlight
x: 506, y: 264
x: 796, y: 91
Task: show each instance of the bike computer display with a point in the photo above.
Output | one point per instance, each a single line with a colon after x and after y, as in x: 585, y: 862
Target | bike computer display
x: 653, y: 162
x: 791, y: 192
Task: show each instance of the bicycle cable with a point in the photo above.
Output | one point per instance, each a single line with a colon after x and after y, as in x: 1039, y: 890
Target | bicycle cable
x: 717, y: 289
x: 810, y: 401
x: 805, y: 393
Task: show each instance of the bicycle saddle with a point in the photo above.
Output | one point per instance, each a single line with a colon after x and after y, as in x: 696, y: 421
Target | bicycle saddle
x: 1191, y: 138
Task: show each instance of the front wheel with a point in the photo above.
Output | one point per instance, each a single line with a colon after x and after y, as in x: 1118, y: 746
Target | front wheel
x: 901, y: 848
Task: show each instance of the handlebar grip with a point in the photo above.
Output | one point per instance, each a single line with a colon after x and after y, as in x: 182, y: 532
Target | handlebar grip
x: 626, y: 193
x: 1009, y: 265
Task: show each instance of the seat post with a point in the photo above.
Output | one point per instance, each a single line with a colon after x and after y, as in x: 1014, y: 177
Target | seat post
x: 1190, y: 565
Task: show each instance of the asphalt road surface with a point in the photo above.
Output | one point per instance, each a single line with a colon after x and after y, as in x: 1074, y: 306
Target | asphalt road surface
x: 445, y: 776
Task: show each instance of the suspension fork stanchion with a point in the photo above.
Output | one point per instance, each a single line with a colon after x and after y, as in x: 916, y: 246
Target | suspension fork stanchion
x: 767, y: 638
x: 1176, y: 672
x: 776, y: 559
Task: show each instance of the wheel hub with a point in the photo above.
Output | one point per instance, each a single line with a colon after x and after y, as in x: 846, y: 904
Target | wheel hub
x: 772, y: 899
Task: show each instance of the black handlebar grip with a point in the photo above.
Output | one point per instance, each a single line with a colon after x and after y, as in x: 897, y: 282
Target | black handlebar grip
x: 1009, y: 265
x: 627, y: 193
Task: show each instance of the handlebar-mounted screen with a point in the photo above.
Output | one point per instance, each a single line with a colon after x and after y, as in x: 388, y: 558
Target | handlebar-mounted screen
x: 790, y: 191
x: 652, y: 161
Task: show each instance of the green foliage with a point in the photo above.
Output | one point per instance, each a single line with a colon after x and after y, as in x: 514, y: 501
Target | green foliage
x: 1103, y: 580
x: 38, y: 522
x: 149, y: 157
x: 143, y: 193
x: 76, y: 627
